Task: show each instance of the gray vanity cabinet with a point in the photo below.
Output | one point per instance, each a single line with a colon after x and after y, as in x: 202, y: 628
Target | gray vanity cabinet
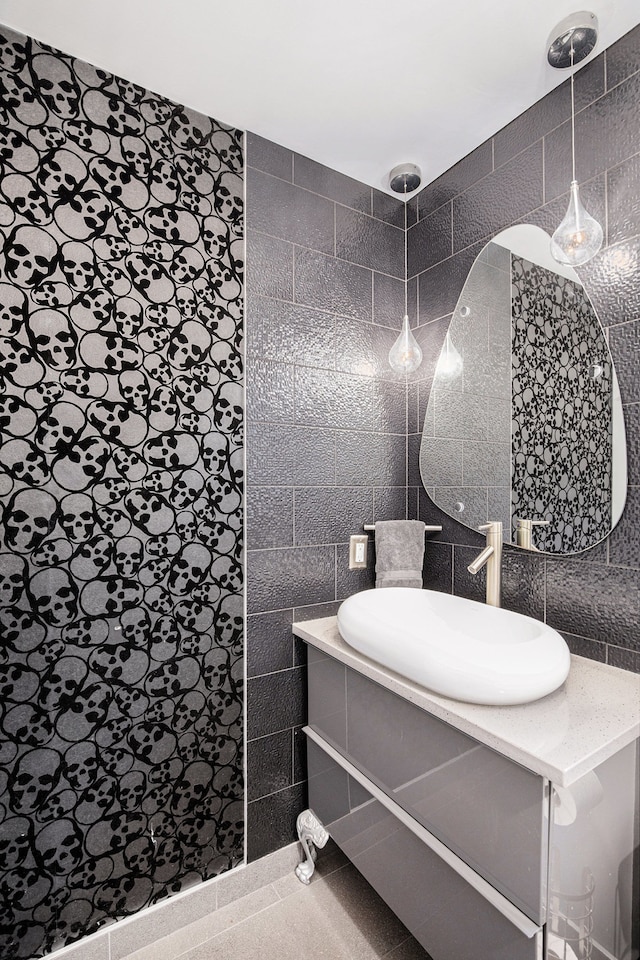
x: 445, y: 913
x: 457, y: 838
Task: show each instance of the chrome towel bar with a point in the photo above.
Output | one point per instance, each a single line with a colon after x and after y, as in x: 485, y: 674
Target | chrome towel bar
x: 427, y: 529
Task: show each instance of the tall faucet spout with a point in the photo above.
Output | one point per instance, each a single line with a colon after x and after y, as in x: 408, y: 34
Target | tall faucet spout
x: 480, y: 560
x: 491, y: 557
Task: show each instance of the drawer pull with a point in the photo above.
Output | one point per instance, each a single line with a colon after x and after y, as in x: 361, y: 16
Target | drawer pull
x: 504, y: 906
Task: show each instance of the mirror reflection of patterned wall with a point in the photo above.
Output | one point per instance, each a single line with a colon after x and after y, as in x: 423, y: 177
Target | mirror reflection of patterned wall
x: 561, y: 411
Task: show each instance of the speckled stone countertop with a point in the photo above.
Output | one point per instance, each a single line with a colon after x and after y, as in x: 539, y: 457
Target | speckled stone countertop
x: 564, y: 735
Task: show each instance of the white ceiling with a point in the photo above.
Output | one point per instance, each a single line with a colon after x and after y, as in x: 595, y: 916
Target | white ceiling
x: 359, y: 85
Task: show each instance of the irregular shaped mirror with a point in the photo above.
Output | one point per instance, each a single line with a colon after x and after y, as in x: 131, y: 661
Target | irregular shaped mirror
x: 524, y: 422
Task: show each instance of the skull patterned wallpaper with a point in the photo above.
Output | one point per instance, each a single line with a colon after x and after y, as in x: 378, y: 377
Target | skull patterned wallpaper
x: 562, y: 410
x: 120, y: 498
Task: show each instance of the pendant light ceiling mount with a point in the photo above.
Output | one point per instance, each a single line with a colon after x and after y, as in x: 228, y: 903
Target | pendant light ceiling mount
x: 579, y: 236
x: 572, y: 40
x: 405, y: 178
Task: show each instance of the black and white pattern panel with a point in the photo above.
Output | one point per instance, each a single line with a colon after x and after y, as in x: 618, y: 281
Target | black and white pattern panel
x: 121, y: 422
x: 561, y: 410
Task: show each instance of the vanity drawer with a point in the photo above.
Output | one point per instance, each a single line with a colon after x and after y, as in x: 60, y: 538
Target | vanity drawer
x: 453, y: 913
x: 488, y: 810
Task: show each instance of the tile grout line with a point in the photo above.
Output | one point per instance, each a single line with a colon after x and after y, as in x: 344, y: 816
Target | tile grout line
x: 373, y: 303
x: 294, y: 299
x: 606, y: 205
x: 328, y: 256
x: 276, y: 903
x: 397, y: 946
x: 324, y: 196
x: 208, y: 940
x: 452, y: 227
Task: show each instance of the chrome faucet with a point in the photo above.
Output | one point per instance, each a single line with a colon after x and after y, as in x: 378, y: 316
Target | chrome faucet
x: 491, y: 556
x: 524, y: 532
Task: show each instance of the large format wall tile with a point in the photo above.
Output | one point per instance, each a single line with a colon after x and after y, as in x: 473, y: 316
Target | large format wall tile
x: 284, y: 454
x: 632, y: 424
x: 328, y: 514
x: 291, y: 333
x: 363, y: 348
x: 624, y: 542
x: 271, y: 820
x: 275, y: 702
x: 369, y: 242
x: 329, y: 183
x: 121, y: 494
x: 334, y: 285
x: 269, y: 761
x: 623, y: 58
x: 388, y: 298
x: 624, y: 341
x: 440, y: 285
x: 271, y: 270
x: 465, y: 173
x: 370, y: 458
x: 523, y: 580
x: 623, y: 200
x: 270, y: 157
x: 289, y: 212
x: 272, y: 396
x: 292, y: 577
x: 389, y: 503
x: 613, y: 281
x: 333, y: 399
x: 430, y: 240
x: 623, y: 658
x: 343, y: 442
x: 269, y: 517
x: 391, y: 210
x: 500, y: 198
x: 594, y: 600
x: 270, y: 644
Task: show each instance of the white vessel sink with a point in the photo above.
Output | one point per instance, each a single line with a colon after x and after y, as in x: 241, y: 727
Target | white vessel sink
x: 456, y: 647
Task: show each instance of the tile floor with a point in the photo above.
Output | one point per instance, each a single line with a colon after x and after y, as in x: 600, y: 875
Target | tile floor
x: 338, y: 916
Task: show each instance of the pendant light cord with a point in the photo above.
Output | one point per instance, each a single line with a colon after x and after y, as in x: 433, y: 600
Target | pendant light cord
x: 573, y: 120
x: 406, y: 278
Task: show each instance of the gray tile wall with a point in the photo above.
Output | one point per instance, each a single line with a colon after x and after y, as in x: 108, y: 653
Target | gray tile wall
x: 326, y: 435
x: 331, y: 443
x: 522, y: 175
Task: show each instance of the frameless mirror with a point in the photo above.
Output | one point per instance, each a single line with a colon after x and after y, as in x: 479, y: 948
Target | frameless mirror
x: 524, y: 422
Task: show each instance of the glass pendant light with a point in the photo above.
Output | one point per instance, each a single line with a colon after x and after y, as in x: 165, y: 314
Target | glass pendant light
x: 405, y: 355
x: 450, y: 362
x: 579, y: 236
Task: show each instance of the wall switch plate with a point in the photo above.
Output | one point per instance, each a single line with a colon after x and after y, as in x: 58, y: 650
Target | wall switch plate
x: 358, y: 551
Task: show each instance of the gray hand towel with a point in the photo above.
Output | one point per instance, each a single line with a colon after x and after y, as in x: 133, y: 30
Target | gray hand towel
x: 399, y: 553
